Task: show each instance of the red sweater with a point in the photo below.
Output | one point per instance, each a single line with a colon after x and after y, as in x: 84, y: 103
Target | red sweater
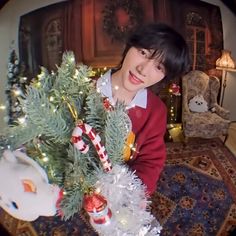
x: 149, y: 126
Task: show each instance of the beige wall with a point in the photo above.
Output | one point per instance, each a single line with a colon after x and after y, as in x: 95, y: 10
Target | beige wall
x: 229, y: 33
x: 9, y: 22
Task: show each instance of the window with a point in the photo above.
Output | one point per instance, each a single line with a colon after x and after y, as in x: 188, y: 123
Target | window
x: 197, y: 40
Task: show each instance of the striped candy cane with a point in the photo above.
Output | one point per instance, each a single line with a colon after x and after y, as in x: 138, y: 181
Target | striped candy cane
x: 83, y: 128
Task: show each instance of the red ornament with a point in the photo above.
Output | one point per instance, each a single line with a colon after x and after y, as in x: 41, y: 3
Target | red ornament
x: 107, y: 105
x: 59, y: 210
x: 175, y: 89
x: 96, y: 206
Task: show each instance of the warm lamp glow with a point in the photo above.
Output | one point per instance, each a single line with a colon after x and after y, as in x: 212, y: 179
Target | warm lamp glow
x: 225, y: 61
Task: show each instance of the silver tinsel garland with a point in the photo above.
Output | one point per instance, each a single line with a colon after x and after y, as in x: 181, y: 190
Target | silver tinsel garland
x: 128, y: 202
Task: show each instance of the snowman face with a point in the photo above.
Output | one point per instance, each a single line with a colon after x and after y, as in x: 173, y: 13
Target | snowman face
x: 24, y: 189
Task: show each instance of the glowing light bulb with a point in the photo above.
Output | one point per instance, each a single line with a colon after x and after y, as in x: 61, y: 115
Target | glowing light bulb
x: 22, y: 120
x: 86, y: 79
x: 17, y: 92
x: 45, y: 159
x: 76, y: 73
x: 98, y: 190
x: 51, y: 98
x: 41, y: 75
x: 2, y: 107
x: 72, y: 59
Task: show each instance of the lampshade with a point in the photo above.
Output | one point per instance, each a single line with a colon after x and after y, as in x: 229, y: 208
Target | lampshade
x: 225, y: 61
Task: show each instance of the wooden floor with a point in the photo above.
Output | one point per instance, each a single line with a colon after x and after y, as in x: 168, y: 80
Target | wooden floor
x: 177, y: 136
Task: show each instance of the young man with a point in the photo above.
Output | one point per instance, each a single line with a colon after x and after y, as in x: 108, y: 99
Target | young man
x: 153, y: 53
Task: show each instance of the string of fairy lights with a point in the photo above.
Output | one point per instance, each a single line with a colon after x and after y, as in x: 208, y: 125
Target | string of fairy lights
x: 14, y: 90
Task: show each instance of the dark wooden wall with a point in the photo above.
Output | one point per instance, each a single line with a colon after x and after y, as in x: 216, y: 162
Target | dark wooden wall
x: 96, y: 31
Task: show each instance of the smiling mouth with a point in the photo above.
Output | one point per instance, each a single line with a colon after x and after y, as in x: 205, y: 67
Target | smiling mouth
x: 134, y: 80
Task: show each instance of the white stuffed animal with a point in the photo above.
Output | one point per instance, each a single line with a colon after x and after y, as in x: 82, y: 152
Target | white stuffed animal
x: 24, y: 189
x: 198, y: 104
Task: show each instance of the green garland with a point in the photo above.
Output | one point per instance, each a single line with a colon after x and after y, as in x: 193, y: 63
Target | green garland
x: 110, y: 21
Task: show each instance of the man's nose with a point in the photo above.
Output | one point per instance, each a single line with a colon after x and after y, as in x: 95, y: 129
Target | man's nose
x: 143, y: 67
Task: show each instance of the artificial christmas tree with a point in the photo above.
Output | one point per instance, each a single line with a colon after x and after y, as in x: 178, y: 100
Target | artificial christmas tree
x: 79, y: 139
x: 15, y: 89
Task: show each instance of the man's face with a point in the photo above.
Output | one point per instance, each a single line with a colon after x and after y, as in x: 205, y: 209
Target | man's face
x: 139, y: 71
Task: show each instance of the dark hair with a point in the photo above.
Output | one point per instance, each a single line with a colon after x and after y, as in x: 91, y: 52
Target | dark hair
x: 168, y: 46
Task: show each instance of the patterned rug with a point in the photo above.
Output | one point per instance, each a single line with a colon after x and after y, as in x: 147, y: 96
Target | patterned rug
x: 196, y: 193
x: 47, y: 226
x: 196, y: 196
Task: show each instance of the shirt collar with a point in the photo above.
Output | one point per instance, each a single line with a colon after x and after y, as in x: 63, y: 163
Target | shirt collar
x: 104, y: 87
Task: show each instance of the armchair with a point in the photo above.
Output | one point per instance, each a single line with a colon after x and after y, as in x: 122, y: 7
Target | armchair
x: 210, y: 123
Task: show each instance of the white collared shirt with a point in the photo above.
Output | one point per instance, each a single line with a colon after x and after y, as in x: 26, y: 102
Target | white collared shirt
x: 104, y: 87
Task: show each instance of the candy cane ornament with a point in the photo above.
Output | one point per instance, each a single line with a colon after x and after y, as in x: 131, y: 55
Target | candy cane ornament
x: 83, y: 128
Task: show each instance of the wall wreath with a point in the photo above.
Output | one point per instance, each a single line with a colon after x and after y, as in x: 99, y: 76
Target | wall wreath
x: 120, y: 17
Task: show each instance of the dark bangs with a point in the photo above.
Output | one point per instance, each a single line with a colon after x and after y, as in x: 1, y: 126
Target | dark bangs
x: 173, y: 56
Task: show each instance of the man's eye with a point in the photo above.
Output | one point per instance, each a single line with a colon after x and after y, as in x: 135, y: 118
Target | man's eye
x: 161, y: 68
x: 143, y: 52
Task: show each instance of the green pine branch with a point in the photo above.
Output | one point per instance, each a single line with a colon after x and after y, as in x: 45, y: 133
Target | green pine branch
x: 116, y: 131
x: 21, y: 134
x: 43, y: 114
x: 95, y: 112
x: 80, y: 178
x: 52, y: 104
